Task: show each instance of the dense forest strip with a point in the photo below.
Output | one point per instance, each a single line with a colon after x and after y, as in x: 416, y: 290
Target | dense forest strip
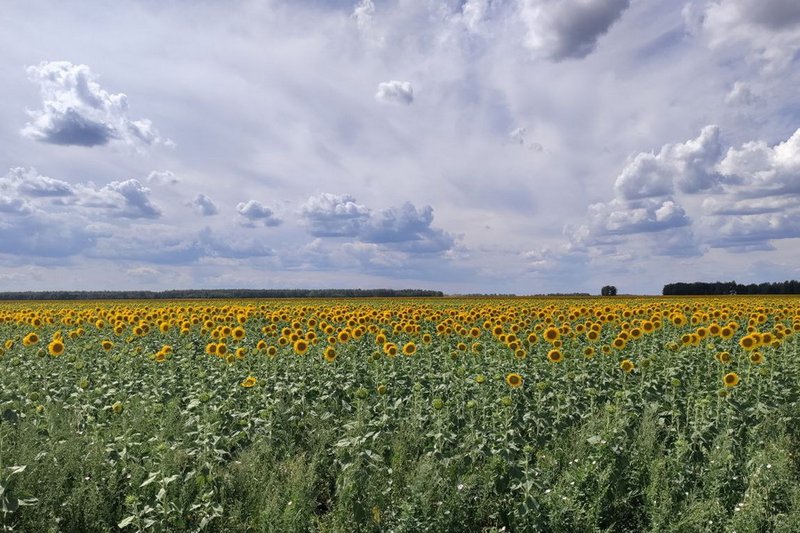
x: 220, y: 294
x: 730, y: 287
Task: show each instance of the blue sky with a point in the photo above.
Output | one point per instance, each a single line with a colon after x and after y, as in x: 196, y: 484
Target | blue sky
x: 523, y: 146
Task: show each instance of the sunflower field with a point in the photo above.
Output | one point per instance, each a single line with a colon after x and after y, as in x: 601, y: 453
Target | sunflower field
x: 524, y: 414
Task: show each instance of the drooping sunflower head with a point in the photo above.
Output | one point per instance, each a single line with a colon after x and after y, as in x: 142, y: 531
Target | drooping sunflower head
x: 248, y: 382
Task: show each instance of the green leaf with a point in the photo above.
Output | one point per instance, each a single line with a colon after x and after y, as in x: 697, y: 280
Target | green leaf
x: 149, y: 480
x: 126, y: 522
x: 16, y: 469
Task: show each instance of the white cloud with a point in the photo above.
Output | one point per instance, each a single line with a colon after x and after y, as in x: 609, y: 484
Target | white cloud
x: 203, y: 205
x: 253, y: 211
x: 620, y: 217
x: 395, y: 92
x: 741, y: 95
x: 561, y: 29
x: 769, y: 30
x: 162, y: 177
x: 761, y: 170
x: 363, y: 13
x: 405, y: 228
x: 28, y: 182
x: 77, y: 111
x: 332, y: 215
x: 689, y: 166
x: 127, y: 199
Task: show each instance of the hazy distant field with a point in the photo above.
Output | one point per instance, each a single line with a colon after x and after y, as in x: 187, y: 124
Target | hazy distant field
x: 646, y: 414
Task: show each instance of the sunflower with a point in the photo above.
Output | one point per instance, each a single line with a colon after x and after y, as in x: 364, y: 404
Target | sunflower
x: 756, y: 358
x: 724, y: 357
x: 241, y: 352
x: 514, y: 380
x: 730, y: 379
x: 592, y: 335
x: 343, y: 336
x: 409, y: 348
x: 588, y: 352
x: 390, y: 349
x: 748, y: 342
x: 211, y: 348
x: 272, y: 351
x: 619, y: 343
x: 55, y: 348
x: 30, y: 339
x: 248, y: 382
x: 519, y: 353
x: 426, y: 338
x: 555, y: 356
x: 160, y: 357
x: 222, y: 349
x: 551, y: 334
x: 238, y: 333
x: 300, y: 346
x: 627, y: 366
x: 329, y: 354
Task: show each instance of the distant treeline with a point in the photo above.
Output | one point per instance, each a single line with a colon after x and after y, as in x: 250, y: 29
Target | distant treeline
x: 500, y: 295
x: 731, y: 287
x: 220, y: 293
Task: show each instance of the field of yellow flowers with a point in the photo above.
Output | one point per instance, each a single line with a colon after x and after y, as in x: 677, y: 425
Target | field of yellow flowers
x: 614, y: 414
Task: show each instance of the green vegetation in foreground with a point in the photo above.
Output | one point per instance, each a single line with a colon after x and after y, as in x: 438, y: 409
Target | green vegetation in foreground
x: 437, y: 441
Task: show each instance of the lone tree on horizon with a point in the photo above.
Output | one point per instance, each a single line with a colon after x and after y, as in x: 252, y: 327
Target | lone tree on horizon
x: 608, y: 290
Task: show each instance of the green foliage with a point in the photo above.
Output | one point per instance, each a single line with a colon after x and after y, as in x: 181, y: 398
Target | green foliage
x: 405, y: 444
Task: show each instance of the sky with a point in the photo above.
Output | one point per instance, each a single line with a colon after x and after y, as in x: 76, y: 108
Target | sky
x: 468, y: 146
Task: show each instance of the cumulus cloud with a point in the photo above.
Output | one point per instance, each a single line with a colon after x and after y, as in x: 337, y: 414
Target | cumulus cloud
x: 768, y: 29
x: 125, y: 199
x: 752, y: 197
x: 162, y: 177
x: 405, y: 228
x: 690, y: 166
x: 395, y: 92
x: 620, y: 217
x: 332, y: 215
x: 741, y: 95
x: 203, y: 205
x: 28, y: 182
x: 561, y: 29
x: 408, y: 228
x: 76, y: 111
x: 254, y: 212
x: 763, y: 170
